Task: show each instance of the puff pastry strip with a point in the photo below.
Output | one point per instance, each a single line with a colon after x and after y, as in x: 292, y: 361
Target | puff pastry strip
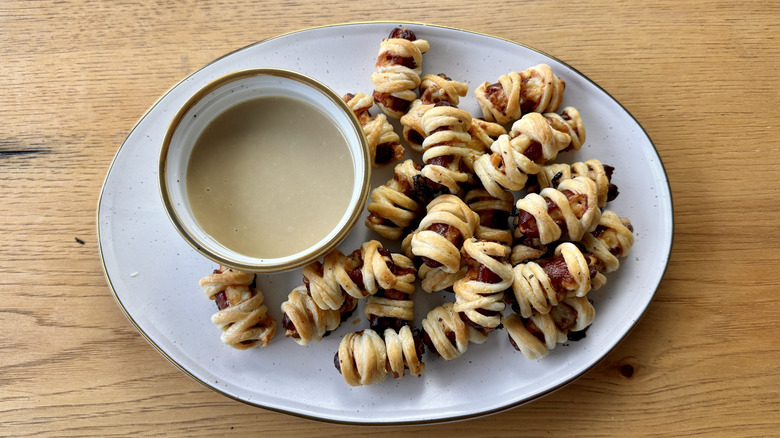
x: 541, y: 285
x: 551, y: 175
x: 445, y: 333
x: 357, y: 275
x: 483, y: 134
x: 304, y: 321
x: 440, y: 235
x: 493, y: 214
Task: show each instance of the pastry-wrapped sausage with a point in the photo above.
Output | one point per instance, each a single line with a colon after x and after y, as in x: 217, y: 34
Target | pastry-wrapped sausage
x: 612, y: 239
x: 531, y: 142
x: 394, y: 308
x: 357, y: 275
x: 364, y: 358
x: 493, y: 214
x: 448, y: 160
x: 445, y: 333
x: 398, y: 69
x: 383, y: 143
x: 551, y: 175
x: 536, y: 335
x: 535, y: 89
x: 394, y: 205
x: 433, y: 89
x: 304, y: 321
x: 242, y: 316
x: 572, y: 209
x: 483, y: 134
x: 479, y: 296
x: 441, y: 233
x: 541, y: 285
x: 569, y: 122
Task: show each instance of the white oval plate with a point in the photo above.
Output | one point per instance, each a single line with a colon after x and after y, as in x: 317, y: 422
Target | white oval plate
x: 154, y: 274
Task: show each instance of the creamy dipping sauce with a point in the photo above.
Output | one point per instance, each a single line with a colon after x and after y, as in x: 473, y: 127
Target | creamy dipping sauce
x: 270, y: 177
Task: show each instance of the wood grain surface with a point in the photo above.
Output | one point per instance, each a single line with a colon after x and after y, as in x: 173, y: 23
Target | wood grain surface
x: 701, y: 77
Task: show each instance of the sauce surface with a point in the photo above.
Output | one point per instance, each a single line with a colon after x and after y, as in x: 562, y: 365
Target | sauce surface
x: 270, y: 177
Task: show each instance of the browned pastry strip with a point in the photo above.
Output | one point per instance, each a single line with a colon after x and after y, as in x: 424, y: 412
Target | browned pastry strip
x: 572, y: 270
x: 540, y: 285
x: 553, y: 174
x: 548, y: 298
x: 445, y: 333
x: 305, y: 322
x: 493, y: 214
x: 357, y: 275
x: 483, y: 134
x: 441, y: 233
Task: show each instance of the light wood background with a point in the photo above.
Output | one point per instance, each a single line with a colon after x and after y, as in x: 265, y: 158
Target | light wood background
x: 701, y: 77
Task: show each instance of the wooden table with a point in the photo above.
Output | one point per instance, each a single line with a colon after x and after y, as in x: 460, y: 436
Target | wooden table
x: 701, y: 77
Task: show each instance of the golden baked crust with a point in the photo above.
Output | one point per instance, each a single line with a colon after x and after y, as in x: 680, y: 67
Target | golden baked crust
x: 394, y: 306
x: 552, y: 175
x: 446, y: 333
x: 493, y: 214
x: 358, y: 275
x: 569, y: 122
x: 402, y: 352
x: 365, y: 358
x: 243, y: 318
x: 483, y: 134
x: 612, y: 239
x: 362, y: 358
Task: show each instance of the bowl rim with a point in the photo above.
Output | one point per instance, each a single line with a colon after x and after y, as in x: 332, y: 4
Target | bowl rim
x: 264, y: 265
